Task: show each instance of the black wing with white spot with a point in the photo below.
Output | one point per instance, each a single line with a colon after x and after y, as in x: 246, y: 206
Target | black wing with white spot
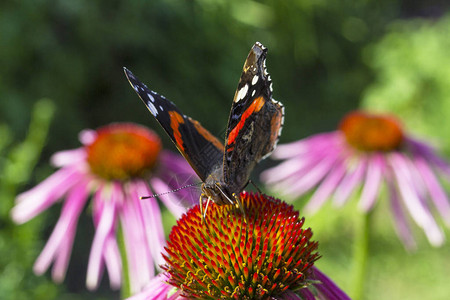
x: 255, y: 121
x: 199, y: 147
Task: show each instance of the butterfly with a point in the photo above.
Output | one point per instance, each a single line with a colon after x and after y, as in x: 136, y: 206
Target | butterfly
x: 254, y: 126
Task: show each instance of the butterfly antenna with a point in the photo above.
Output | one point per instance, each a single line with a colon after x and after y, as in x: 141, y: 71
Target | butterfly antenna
x: 169, y: 192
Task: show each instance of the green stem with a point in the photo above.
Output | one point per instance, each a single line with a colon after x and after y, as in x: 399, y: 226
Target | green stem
x: 361, y: 255
x: 126, y: 288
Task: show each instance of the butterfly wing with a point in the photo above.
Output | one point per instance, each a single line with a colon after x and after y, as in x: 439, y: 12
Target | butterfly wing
x: 199, y: 147
x: 255, y: 121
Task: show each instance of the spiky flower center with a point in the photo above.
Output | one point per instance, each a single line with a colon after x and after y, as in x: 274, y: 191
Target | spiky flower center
x: 123, y: 151
x: 370, y: 132
x: 228, y: 256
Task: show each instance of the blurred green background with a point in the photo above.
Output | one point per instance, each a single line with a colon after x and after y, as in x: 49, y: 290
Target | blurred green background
x: 325, y: 58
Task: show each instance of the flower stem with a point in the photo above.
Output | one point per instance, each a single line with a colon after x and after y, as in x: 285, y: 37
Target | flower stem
x: 126, y: 288
x: 361, y: 254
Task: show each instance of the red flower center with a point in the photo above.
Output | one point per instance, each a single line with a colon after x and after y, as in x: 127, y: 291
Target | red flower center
x: 369, y: 132
x: 229, y: 257
x: 123, y: 151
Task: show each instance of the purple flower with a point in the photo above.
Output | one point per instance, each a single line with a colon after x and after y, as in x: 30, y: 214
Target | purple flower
x: 267, y: 254
x: 117, y: 164
x: 366, y: 152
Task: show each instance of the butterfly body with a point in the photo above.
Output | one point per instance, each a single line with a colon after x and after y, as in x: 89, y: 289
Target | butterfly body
x: 253, y: 129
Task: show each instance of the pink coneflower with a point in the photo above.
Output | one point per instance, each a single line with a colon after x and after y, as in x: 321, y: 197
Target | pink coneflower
x: 117, y: 164
x: 267, y: 254
x: 367, y: 151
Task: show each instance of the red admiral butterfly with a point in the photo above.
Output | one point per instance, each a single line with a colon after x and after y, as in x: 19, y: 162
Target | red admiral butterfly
x: 254, y: 126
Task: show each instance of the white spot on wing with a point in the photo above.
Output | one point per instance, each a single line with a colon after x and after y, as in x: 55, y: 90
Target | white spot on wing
x: 255, y: 79
x: 152, y: 108
x: 253, y: 93
x: 151, y: 97
x: 241, y: 93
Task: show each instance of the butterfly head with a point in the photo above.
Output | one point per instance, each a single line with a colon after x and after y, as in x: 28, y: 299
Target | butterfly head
x: 214, y: 188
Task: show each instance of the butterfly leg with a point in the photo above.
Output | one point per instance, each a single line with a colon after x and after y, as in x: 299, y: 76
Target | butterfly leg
x: 252, y: 183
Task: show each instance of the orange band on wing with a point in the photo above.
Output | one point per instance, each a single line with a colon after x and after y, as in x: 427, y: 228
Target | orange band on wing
x: 207, y: 135
x: 175, y: 120
x: 275, y: 125
x: 256, y: 106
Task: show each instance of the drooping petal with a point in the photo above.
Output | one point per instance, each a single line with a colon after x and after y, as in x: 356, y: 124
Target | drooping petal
x: 291, y: 168
x: 310, y: 178
x: 34, y: 201
x: 175, y: 163
x: 113, y: 262
x: 327, y: 287
x: 63, y: 255
x: 103, y: 229
x: 326, y: 188
x: 419, y: 212
x: 68, y: 157
x: 157, y: 289
x: 290, y: 295
x: 170, y: 200
x: 401, y: 223
x: 375, y: 166
x: 351, y: 180
x: 423, y: 150
x: 306, y: 294
x: 69, y: 217
x: 152, y: 220
x: 87, y: 136
x: 139, y: 258
x: 437, y: 194
x: 314, y: 143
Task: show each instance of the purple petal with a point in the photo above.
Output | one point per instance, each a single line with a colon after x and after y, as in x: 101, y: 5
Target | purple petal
x: 34, y: 201
x: 314, y: 143
x: 327, y: 287
x: 68, y: 157
x: 157, y: 289
x: 350, y: 182
x: 173, y: 203
x: 421, y: 149
x: 174, y: 163
x: 290, y: 295
x: 289, y: 168
x: 63, y: 255
x: 326, y: 188
x: 87, y: 136
x: 69, y: 217
x: 419, y: 212
x: 306, y: 294
x: 375, y: 166
x: 113, y: 262
x: 152, y: 220
x: 141, y: 267
x: 401, y: 223
x: 308, y: 180
x: 438, y: 195
x: 102, y: 231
